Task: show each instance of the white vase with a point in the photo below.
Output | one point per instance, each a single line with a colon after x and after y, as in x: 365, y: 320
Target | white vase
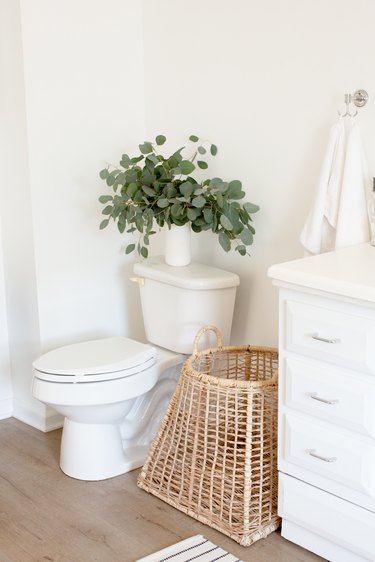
x: 178, y: 245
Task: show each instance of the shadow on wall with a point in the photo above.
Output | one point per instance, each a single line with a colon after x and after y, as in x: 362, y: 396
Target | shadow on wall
x: 132, y: 303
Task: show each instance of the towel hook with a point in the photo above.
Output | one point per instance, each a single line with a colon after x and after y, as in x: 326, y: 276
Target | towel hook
x: 359, y: 98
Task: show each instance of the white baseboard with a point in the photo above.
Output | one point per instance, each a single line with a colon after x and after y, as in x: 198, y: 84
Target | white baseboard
x: 53, y: 420
x: 6, y: 408
x: 37, y: 415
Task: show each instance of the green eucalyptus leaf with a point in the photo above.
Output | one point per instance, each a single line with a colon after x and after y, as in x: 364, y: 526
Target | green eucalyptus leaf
x: 186, y: 167
x: 251, y: 208
x: 148, y: 190
x: 218, y: 184
x: 130, y: 248
x: 186, y: 188
x: 224, y: 241
x: 171, y: 192
x: 207, y: 213
x: 104, y: 173
x: 199, y: 191
x: 136, y: 159
x: 241, y: 250
x: 125, y: 161
x: 192, y: 214
x: 196, y: 228
x: 234, y: 186
x: 234, y: 217
x: 144, y: 252
x: 139, y: 223
x: 121, y: 178
x: 246, y: 237
x: 146, y: 148
x: 105, y: 198
x: 176, y: 171
x: 131, y: 189
x: 213, y: 149
x: 238, y: 195
x: 176, y: 210
x: 202, y: 150
x: 103, y: 224
x: 225, y: 222
x: 107, y: 210
x: 151, y: 158
x: 110, y: 180
x: 162, y: 203
x: 199, y: 201
x: 219, y: 199
x: 202, y: 164
x: 160, y: 139
x: 194, y: 138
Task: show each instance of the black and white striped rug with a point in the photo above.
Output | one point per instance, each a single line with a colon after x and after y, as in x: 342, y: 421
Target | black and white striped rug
x: 197, y: 549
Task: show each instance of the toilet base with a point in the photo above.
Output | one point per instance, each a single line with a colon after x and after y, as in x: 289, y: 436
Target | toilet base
x: 93, y: 451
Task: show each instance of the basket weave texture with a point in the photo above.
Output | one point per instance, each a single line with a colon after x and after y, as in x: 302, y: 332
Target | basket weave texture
x: 215, y: 456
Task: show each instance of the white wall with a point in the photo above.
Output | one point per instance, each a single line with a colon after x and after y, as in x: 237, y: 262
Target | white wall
x: 263, y: 81
x: 84, y: 100
x: 6, y: 394
x: 17, y: 255
x: 72, y: 99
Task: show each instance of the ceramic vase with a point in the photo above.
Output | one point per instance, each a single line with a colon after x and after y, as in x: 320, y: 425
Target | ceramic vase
x: 178, y: 245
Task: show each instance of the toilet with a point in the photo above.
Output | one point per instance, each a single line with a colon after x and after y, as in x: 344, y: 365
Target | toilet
x: 113, y: 392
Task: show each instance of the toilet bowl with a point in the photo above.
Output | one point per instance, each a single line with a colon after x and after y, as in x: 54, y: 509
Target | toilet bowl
x: 98, y: 386
x: 113, y: 392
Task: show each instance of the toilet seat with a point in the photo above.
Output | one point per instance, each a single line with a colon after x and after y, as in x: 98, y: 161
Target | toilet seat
x: 95, y: 361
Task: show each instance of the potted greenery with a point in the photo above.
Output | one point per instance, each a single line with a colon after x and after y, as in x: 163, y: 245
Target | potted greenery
x: 151, y: 188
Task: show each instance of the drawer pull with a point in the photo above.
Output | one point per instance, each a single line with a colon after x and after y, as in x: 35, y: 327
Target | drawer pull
x: 314, y: 396
x: 313, y: 453
x: 325, y: 340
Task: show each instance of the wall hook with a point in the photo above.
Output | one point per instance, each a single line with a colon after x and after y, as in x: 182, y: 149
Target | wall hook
x: 359, y: 98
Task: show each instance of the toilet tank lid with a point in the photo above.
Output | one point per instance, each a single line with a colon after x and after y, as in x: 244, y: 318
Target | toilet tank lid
x: 195, y: 276
x: 106, y: 355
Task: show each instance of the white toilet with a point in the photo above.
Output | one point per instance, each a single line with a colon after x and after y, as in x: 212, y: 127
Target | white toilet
x: 114, y: 391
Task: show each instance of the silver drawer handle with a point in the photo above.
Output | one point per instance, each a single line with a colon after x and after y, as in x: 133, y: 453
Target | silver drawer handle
x: 314, y: 396
x: 313, y: 453
x: 325, y: 340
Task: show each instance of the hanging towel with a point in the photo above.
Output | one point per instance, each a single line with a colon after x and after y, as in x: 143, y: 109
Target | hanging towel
x: 339, y: 214
x: 352, y: 220
x: 318, y: 234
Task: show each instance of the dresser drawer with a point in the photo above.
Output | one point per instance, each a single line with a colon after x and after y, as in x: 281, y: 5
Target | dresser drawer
x: 333, y: 394
x: 328, y: 516
x: 332, y: 452
x: 325, y: 334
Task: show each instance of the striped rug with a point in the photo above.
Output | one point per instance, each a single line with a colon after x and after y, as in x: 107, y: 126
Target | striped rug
x: 197, y: 549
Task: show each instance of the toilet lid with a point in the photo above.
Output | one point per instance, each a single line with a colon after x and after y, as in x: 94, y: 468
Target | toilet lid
x: 102, y: 359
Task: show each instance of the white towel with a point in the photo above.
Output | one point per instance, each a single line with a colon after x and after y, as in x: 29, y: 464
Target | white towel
x: 338, y: 217
x: 352, y: 221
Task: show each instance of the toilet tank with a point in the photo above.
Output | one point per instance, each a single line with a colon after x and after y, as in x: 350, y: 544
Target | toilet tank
x: 178, y: 301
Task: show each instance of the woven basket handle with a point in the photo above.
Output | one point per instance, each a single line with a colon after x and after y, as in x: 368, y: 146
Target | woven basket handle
x: 219, y: 341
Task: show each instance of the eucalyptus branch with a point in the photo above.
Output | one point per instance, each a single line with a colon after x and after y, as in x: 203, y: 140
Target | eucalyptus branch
x: 166, y: 193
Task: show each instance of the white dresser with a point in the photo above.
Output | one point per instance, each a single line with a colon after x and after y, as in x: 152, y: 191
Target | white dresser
x: 327, y: 403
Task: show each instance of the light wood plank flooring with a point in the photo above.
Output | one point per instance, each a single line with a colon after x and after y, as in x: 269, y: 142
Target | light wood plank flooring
x: 47, y: 516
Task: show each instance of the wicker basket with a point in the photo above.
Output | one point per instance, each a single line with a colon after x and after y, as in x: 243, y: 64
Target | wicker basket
x: 215, y: 456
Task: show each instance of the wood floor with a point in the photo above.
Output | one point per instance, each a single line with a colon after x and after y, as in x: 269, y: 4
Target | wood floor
x: 47, y: 516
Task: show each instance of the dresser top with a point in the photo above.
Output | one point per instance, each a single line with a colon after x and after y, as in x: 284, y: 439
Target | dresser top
x: 349, y: 272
